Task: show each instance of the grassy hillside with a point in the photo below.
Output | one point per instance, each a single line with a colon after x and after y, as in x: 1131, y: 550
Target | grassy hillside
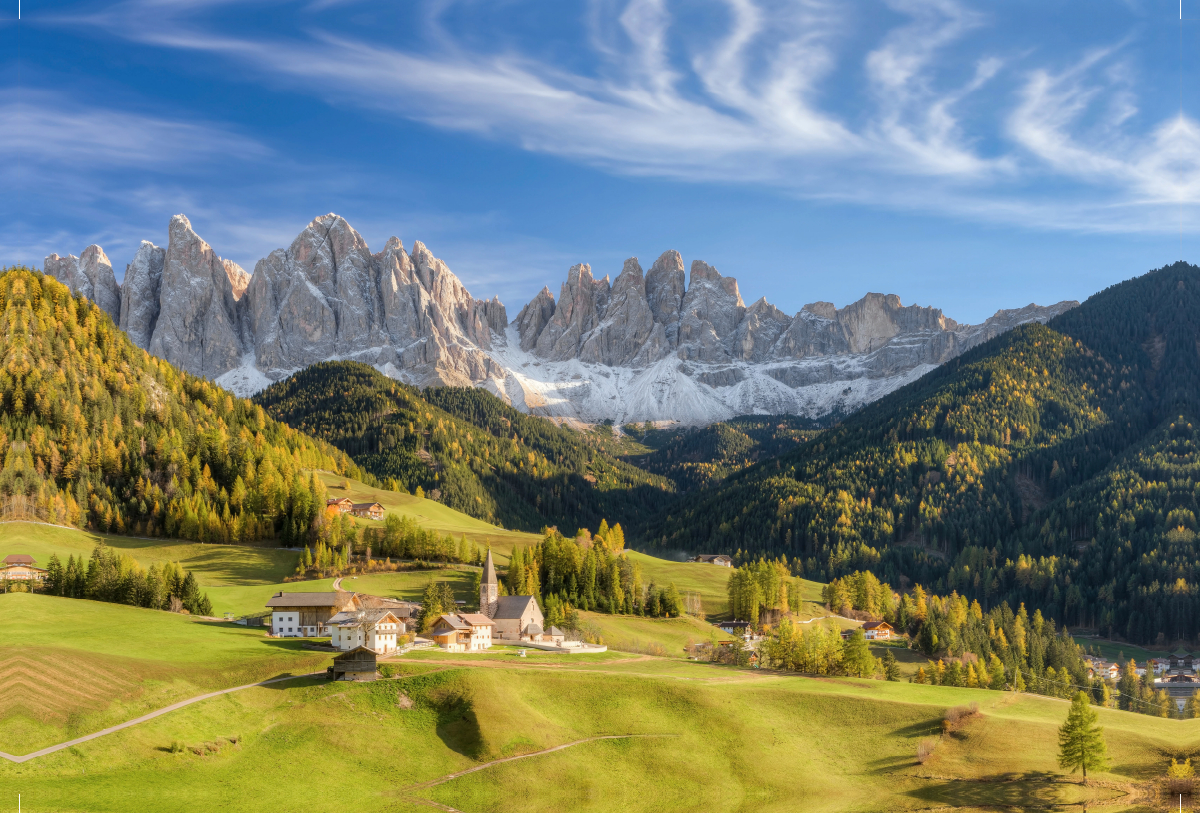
x: 214, y: 565
x: 69, y: 666
x: 428, y: 514
x: 487, y: 459
x: 723, y: 740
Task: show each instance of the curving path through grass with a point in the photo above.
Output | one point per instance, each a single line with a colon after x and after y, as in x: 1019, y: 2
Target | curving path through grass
x: 157, y: 713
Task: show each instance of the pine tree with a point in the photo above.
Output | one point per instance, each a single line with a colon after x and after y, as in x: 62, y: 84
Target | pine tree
x: 1080, y: 741
x: 857, y: 659
x: 891, y: 670
x: 54, y: 576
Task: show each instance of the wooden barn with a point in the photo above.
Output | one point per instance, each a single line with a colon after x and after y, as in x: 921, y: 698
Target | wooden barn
x: 357, y: 664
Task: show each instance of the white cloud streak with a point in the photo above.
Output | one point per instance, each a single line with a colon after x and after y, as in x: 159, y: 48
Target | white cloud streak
x: 927, y: 123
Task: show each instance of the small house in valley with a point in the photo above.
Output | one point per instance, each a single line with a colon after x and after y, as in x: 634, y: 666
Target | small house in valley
x: 367, y: 510
x: 359, y: 663
x: 878, y: 631
x: 344, y: 505
x: 307, y: 615
x: 735, y: 627
x: 21, y: 567
x: 719, y: 559
x: 377, y: 630
x: 873, y: 631
x: 463, y: 632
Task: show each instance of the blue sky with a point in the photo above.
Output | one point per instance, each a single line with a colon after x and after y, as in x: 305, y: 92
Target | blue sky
x: 965, y: 155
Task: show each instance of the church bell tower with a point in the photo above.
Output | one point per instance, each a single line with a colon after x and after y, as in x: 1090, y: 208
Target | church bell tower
x: 489, y: 588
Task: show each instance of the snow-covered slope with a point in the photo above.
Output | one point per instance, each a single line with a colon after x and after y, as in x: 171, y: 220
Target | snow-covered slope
x: 646, y: 347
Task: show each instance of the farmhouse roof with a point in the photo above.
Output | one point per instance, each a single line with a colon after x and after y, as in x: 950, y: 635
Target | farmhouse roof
x: 453, y: 621
x: 332, y: 599
x: 509, y: 607
x: 709, y: 557
x: 477, y: 619
x: 18, y: 559
x: 370, y: 602
x: 337, y: 500
x: 362, y: 506
x: 533, y: 629
x: 351, y: 618
x: 876, y: 625
x: 489, y: 569
x: 359, y: 653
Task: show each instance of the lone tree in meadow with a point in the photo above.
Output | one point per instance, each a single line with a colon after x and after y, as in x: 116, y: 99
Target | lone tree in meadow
x: 1080, y: 741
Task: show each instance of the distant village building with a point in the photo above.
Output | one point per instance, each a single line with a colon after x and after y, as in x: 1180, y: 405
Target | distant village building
x: 344, y: 505
x: 357, y: 664
x: 463, y: 632
x: 377, y: 630
x: 719, y: 559
x: 367, y: 510
x: 21, y: 567
x: 515, y: 617
x: 874, y: 631
x: 404, y: 610
x: 307, y: 615
x: 735, y: 627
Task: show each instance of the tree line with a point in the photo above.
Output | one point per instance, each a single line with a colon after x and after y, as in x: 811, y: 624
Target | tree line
x: 112, y: 576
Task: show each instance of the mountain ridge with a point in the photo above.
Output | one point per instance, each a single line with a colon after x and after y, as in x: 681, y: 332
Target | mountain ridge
x: 648, y: 346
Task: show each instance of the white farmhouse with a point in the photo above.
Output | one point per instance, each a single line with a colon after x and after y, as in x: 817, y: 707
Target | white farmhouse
x: 377, y: 630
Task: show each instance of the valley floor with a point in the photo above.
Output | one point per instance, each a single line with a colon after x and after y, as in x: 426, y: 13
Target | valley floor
x: 709, y: 737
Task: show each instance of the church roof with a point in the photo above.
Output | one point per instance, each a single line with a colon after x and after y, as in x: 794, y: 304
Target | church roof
x: 512, y: 606
x: 489, y: 569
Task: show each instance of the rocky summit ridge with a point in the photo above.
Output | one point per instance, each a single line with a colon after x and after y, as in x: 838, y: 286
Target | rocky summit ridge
x: 650, y: 345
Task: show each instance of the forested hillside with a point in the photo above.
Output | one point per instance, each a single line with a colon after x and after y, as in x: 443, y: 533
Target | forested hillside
x: 484, y: 458
x: 697, y: 458
x: 1051, y: 465
x: 96, y: 433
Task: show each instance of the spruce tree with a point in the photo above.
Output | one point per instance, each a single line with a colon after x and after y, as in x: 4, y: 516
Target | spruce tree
x: 857, y: 658
x: 891, y: 670
x: 1080, y: 741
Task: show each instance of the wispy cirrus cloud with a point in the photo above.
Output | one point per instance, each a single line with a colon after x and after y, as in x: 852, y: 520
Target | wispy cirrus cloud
x: 789, y: 95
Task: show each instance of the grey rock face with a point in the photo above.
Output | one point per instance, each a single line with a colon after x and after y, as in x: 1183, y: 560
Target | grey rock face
x: 238, y: 278
x: 576, y: 314
x: 91, y: 275
x: 626, y: 325
x: 197, y: 326
x: 664, y: 293
x: 712, y: 310
x: 758, y: 331
x: 139, y: 293
x: 534, y: 317
x: 327, y: 296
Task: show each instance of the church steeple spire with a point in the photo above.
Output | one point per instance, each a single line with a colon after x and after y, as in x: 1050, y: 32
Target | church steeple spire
x: 489, y: 588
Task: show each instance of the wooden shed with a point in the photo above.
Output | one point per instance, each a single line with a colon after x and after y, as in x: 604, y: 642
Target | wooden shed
x: 357, y: 664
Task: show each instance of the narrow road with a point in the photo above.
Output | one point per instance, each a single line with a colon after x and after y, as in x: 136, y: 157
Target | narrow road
x: 158, y: 713
x: 337, y: 583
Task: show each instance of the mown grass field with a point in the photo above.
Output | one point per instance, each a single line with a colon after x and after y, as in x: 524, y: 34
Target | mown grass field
x: 69, y: 666
x: 721, y: 740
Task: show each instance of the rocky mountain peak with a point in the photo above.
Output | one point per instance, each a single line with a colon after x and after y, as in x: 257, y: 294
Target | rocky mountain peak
x: 139, y: 293
x: 89, y: 274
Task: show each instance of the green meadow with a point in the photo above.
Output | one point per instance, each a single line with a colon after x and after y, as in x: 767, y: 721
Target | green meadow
x: 69, y: 666
x: 706, y: 738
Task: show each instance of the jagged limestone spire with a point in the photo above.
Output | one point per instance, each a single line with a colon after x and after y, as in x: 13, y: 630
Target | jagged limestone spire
x: 489, y: 587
